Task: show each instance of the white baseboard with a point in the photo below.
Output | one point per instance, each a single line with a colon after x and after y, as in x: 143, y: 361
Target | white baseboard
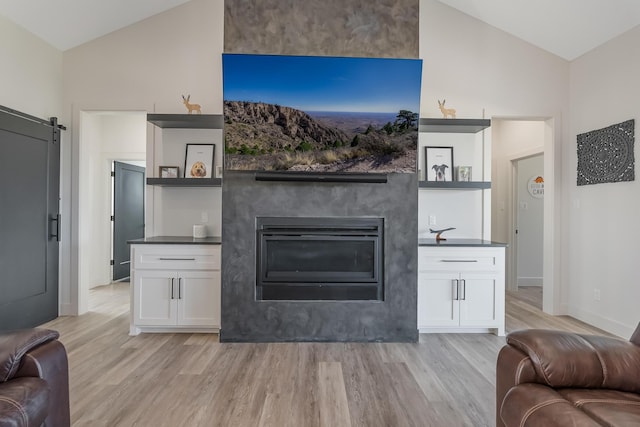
x: 432, y: 330
x: 529, y: 281
x: 604, y: 323
x: 67, y: 310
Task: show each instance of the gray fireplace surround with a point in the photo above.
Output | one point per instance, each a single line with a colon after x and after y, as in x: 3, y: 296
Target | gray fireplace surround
x: 247, y: 319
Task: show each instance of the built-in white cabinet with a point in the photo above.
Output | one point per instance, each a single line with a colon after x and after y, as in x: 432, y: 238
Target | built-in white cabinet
x: 461, y: 289
x: 175, y: 288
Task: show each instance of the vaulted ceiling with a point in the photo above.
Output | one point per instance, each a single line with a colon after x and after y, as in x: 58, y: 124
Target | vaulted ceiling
x: 65, y: 24
x: 567, y: 28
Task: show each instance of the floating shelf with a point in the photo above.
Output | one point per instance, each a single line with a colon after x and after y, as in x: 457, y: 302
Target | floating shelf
x: 455, y: 185
x: 373, y: 178
x: 453, y: 125
x: 185, y: 182
x: 187, y: 121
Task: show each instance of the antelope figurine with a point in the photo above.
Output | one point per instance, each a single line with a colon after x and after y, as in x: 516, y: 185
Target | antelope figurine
x: 192, y: 107
x: 446, y: 111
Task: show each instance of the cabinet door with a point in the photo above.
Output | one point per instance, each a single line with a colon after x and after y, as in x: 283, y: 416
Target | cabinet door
x: 437, y: 304
x: 154, y: 299
x: 199, y: 298
x: 478, y: 300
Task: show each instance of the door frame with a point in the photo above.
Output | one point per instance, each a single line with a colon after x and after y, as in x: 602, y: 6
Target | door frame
x: 79, y: 152
x: 551, y: 303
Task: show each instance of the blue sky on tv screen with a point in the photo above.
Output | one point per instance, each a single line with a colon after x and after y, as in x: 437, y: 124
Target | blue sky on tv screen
x: 318, y: 83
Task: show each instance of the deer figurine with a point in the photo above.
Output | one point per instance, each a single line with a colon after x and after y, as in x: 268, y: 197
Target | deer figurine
x: 446, y: 111
x: 191, y: 107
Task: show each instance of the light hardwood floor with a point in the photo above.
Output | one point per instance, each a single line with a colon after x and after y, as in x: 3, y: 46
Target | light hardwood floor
x: 531, y: 295
x: 193, y: 380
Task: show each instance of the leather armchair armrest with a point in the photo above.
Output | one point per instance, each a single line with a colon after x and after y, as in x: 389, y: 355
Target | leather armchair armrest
x: 49, y: 362
x: 15, y: 344
x: 512, y: 368
x: 563, y: 359
x: 38, y: 353
x: 635, y: 337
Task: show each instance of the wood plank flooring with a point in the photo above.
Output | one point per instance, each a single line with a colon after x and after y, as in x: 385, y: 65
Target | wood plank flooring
x: 193, y: 380
x: 531, y: 295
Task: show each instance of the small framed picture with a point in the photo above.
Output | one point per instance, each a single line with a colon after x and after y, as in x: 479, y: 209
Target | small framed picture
x: 439, y: 163
x: 198, y: 161
x: 169, y: 171
x: 464, y: 173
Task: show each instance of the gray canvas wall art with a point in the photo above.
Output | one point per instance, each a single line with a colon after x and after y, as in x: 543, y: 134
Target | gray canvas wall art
x: 606, y: 155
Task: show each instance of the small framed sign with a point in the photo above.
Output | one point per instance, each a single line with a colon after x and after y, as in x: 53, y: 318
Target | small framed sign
x: 464, y: 173
x: 535, y: 186
x: 198, y: 162
x: 169, y: 171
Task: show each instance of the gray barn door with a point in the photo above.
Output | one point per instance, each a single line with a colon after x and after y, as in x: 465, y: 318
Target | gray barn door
x: 128, y: 214
x: 29, y: 221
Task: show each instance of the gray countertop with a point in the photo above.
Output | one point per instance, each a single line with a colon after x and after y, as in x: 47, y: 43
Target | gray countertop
x: 460, y: 243
x: 176, y: 240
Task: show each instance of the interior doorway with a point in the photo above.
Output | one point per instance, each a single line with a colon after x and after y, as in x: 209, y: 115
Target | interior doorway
x: 105, y: 136
x: 528, y: 207
x: 512, y: 139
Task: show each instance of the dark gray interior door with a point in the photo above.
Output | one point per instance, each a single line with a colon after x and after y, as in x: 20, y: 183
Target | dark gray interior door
x: 128, y: 214
x: 29, y: 221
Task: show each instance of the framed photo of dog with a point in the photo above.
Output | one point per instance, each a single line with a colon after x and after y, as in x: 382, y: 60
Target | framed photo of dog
x: 198, y: 161
x: 439, y: 164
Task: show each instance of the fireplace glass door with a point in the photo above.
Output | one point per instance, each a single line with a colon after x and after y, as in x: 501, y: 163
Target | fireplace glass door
x: 317, y: 260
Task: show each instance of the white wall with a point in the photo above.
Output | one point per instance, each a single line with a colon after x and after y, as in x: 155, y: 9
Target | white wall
x: 31, y: 72
x: 152, y: 63
x: 143, y: 67
x: 474, y: 66
x: 601, y: 221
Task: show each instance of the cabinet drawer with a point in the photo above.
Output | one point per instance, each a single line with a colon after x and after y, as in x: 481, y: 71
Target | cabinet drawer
x: 176, y: 257
x: 463, y: 259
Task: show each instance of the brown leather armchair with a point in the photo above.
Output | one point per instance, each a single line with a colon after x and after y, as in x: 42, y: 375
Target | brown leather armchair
x: 553, y: 378
x: 34, y: 379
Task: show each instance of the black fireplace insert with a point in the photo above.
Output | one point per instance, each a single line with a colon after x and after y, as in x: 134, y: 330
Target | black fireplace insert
x: 301, y: 258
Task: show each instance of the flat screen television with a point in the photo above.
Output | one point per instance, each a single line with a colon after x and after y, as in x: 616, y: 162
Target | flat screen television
x: 321, y: 114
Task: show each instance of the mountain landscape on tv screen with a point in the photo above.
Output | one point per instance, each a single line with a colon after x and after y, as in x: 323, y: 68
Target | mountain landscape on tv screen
x: 320, y: 114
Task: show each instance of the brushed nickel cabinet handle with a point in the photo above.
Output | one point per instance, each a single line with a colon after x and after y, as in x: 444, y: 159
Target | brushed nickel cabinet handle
x: 176, y: 259
x: 454, y: 289
x: 458, y: 260
x: 464, y: 290
x: 180, y: 288
x: 172, y: 279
